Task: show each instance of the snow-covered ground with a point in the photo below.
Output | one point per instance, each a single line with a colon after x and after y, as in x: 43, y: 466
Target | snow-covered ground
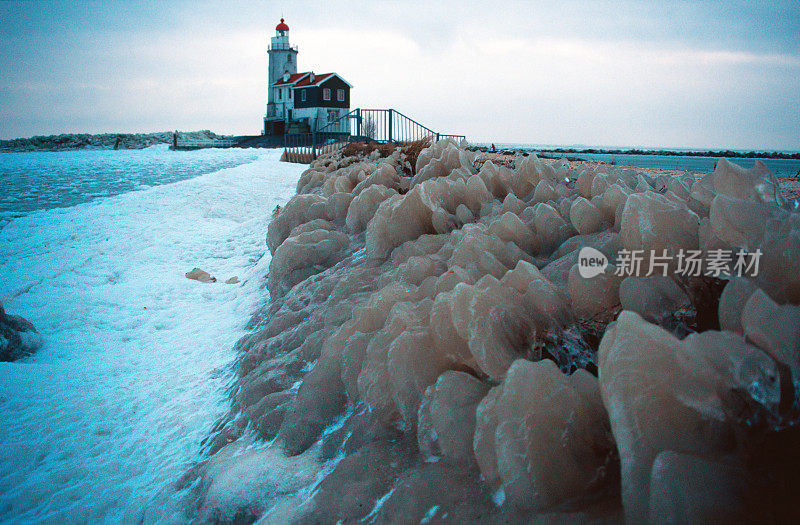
x: 102, y: 421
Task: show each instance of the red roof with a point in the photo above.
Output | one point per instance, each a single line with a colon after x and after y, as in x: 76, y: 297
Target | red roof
x: 292, y: 79
x: 301, y: 80
x: 318, y: 79
x: 281, y: 26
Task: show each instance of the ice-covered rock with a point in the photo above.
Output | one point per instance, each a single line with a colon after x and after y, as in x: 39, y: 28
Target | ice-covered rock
x: 732, y: 301
x: 779, y: 271
x: 384, y: 175
x: 443, y: 164
x: 320, y: 398
x: 754, y: 184
x: 447, y: 152
x: 689, y: 489
x: 740, y: 223
x: 765, y: 228
x: 498, y: 179
x: 243, y: 480
x: 612, y: 203
x: 412, y: 367
x: 363, y: 207
x: 299, y: 210
x: 680, y: 187
x: 654, y: 298
x: 448, y: 413
x: 594, y: 295
x: 550, y: 226
x: 600, y: 184
x: 497, y: 322
x: 773, y: 327
x: 511, y: 229
x: 604, y: 241
x: 703, y: 192
x: 442, y: 306
x: 543, y: 435
x: 529, y: 175
x: 584, y: 183
x: 300, y: 257
x: 707, y: 239
x: 644, y: 370
x: 585, y: 216
x: 428, y: 208
x: 544, y: 191
x: 651, y: 221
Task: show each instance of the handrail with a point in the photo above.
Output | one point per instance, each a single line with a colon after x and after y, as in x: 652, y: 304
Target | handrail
x: 381, y: 125
x: 329, y: 124
x: 415, y: 122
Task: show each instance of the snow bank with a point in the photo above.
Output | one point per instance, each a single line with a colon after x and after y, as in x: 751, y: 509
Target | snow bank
x: 102, y: 422
x: 431, y: 338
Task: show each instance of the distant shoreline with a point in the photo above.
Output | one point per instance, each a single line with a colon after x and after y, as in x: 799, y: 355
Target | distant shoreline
x: 81, y: 141
x: 635, y: 151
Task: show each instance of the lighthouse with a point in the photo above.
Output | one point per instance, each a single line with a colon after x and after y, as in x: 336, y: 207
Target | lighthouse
x: 301, y: 102
x: 282, y: 57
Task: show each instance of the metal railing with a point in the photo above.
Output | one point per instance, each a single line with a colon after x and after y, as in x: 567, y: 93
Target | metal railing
x: 282, y: 47
x: 369, y: 125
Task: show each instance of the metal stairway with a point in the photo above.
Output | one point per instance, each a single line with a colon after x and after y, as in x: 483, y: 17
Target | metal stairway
x: 359, y: 125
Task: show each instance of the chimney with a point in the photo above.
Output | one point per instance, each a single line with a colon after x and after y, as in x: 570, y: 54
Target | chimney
x: 311, y: 78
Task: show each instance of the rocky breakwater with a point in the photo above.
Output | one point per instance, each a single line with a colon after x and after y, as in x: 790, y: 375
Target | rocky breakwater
x: 431, y: 343
x: 73, y: 141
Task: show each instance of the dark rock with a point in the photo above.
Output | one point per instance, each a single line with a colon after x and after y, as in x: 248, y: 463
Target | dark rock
x: 18, y: 337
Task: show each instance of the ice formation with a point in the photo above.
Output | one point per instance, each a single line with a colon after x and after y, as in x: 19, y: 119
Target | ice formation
x: 431, y: 340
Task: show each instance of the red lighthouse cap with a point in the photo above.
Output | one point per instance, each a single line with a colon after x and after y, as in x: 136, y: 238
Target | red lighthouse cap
x: 281, y: 26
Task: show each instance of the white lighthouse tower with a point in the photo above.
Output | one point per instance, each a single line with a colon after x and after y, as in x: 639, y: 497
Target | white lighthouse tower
x: 282, y: 58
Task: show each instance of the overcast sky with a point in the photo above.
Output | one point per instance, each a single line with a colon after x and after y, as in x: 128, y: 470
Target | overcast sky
x: 616, y: 73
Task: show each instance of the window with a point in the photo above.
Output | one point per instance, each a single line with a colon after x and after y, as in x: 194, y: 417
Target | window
x: 291, y: 93
x: 289, y: 59
x: 340, y: 95
x: 332, y: 115
x: 278, y: 93
x: 326, y: 94
x: 303, y: 95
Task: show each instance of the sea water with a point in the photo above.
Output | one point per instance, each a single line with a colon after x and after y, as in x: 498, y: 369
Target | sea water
x: 101, y: 423
x: 53, y: 179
